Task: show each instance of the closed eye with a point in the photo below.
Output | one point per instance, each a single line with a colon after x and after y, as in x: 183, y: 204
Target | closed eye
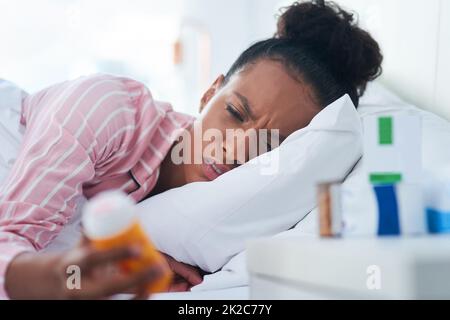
x: 236, y: 114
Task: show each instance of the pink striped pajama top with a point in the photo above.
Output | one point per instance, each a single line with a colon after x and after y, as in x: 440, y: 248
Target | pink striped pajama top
x: 82, y: 137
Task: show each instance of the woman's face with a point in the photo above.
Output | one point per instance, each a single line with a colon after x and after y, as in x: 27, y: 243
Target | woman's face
x: 262, y: 96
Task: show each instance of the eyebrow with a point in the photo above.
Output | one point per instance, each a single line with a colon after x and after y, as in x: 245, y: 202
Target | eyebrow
x: 248, y: 110
x: 245, y: 104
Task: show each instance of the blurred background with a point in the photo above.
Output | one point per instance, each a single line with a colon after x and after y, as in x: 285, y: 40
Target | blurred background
x: 178, y: 47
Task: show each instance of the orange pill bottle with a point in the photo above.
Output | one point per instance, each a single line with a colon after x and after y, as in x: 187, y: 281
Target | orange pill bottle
x: 110, y: 221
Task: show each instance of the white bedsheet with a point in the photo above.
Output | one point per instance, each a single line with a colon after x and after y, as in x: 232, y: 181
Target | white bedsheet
x: 241, y: 293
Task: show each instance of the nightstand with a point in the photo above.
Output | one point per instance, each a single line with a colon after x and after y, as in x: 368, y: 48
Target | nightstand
x: 359, y: 268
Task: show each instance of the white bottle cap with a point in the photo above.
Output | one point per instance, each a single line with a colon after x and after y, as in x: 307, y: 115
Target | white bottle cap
x: 108, y: 214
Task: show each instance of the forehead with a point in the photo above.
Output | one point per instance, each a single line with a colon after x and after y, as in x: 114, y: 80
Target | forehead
x: 276, y: 98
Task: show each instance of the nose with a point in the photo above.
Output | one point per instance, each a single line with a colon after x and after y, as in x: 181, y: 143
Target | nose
x: 230, y: 158
x: 236, y: 151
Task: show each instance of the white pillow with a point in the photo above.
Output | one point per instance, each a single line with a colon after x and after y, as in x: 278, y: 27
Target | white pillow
x: 206, y: 224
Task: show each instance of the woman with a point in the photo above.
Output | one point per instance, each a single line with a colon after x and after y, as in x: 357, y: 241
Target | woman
x: 102, y: 132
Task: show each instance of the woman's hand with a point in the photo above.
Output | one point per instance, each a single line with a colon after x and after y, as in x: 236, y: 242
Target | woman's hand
x: 45, y: 276
x: 185, y: 276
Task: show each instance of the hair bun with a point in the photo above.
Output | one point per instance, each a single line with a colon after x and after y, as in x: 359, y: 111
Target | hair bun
x: 332, y: 35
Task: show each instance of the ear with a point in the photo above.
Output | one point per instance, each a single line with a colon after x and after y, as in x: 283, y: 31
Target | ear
x: 211, y: 92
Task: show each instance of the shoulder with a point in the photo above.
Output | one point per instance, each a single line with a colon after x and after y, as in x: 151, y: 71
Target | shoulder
x: 101, y: 94
x: 99, y: 83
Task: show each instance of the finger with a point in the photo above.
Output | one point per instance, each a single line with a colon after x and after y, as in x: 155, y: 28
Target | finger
x: 189, y: 273
x: 142, y: 294
x: 179, y: 287
x: 84, y: 241
x: 124, y: 283
x: 94, y: 258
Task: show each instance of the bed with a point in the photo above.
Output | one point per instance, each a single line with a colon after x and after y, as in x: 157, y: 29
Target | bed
x: 427, y: 90
x: 231, y: 282
x: 415, y: 75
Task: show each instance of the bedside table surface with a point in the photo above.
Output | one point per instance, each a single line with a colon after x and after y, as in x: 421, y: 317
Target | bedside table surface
x: 406, y: 267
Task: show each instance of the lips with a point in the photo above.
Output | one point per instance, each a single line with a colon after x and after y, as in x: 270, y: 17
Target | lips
x: 213, y: 170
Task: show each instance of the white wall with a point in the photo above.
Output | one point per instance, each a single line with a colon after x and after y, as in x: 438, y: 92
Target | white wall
x: 442, y: 98
x: 263, y: 15
x: 49, y: 41
x: 227, y: 22
x: 414, y: 36
x: 42, y: 44
x: 408, y: 31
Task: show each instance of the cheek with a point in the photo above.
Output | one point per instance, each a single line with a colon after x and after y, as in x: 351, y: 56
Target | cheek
x: 216, y: 121
x: 194, y: 173
x: 214, y: 117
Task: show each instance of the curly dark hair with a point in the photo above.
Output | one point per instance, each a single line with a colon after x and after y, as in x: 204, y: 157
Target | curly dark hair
x: 322, y: 44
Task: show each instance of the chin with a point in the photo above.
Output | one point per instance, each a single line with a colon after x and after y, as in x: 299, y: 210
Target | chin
x: 196, y: 175
x: 197, y: 179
